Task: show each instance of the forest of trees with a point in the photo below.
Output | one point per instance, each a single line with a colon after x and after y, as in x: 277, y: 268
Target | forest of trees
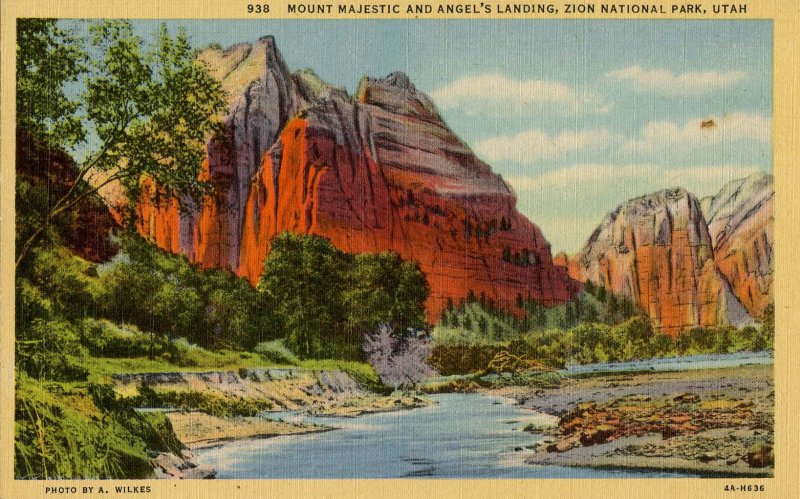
x: 327, y: 300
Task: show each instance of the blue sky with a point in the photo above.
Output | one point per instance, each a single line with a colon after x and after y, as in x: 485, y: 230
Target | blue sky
x: 578, y: 116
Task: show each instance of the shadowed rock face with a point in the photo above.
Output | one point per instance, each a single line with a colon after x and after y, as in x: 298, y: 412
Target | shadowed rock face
x: 740, y: 225
x: 375, y: 172
x: 657, y: 251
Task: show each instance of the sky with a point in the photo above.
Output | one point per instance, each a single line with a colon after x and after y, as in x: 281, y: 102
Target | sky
x: 577, y: 115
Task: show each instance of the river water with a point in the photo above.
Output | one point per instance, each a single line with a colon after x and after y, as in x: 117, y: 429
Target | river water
x: 677, y: 363
x: 462, y: 436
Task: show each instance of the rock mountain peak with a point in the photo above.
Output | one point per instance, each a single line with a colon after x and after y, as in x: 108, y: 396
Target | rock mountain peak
x: 381, y: 171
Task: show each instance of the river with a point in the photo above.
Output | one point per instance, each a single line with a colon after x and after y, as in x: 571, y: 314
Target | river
x: 462, y: 436
x: 713, y: 361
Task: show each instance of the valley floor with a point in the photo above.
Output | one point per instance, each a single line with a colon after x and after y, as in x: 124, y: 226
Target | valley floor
x: 717, y: 422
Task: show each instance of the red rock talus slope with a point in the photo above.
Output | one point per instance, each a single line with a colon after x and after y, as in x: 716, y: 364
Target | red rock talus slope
x: 657, y: 250
x: 378, y: 171
x: 45, y: 174
x: 740, y: 223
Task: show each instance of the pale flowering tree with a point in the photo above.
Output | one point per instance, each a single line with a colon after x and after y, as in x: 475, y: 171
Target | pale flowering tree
x: 399, y: 362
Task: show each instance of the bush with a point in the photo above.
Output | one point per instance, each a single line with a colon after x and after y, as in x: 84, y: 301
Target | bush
x: 65, y: 280
x: 275, y: 351
x: 462, y: 358
x: 399, y: 361
x: 165, y: 294
x: 51, y: 349
x: 106, y: 339
x: 209, y: 403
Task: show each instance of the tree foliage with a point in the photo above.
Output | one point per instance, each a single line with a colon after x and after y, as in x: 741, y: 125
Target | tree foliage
x: 327, y: 299
x: 48, y: 58
x: 164, y: 294
x: 145, y: 112
x: 399, y: 360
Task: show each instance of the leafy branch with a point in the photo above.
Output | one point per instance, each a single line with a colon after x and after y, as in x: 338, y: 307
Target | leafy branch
x: 150, y: 110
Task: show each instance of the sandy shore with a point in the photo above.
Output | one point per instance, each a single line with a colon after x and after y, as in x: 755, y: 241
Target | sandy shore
x: 198, y: 429
x: 713, y: 422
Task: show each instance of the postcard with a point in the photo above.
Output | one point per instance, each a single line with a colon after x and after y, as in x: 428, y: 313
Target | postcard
x: 412, y: 249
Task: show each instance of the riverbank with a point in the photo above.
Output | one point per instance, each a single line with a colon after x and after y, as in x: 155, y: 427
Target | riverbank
x: 198, y: 430
x: 712, y: 421
x: 208, y: 409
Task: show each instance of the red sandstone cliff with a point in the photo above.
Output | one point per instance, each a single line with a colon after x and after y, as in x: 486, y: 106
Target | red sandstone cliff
x: 378, y: 171
x: 45, y: 174
x: 657, y: 251
x: 740, y: 223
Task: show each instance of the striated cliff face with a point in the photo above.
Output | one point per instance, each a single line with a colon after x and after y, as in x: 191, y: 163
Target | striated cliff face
x: 740, y: 224
x: 374, y: 172
x: 657, y: 250
x: 262, y: 96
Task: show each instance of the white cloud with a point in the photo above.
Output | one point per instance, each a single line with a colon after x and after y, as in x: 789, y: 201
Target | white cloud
x: 661, y: 136
x: 499, y: 92
x: 646, y: 177
x: 569, y: 203
x: 535, y: 145
x: 666, y: 82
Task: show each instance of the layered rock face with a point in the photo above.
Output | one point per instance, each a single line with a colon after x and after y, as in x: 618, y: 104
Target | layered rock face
x: 375, y: 172
x: 657, y: 251
x: 740, y: 224
x: 262, y: 96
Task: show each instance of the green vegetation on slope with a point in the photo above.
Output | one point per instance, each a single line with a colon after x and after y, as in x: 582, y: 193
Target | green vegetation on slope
x: 80, y: 431
x: 327, y: 299
x: 464, y: 350
x: 149, y: 110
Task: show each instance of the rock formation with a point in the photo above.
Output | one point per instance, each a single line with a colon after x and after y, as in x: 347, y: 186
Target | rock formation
x: 740, y: 224
x: 657, y: 251
x: 373, y: 172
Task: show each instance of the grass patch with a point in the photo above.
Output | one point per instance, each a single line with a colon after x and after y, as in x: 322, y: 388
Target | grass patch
x: 83, y: 431
x: 212, y: 404
x: 275, y: 352
x: 223, y: 360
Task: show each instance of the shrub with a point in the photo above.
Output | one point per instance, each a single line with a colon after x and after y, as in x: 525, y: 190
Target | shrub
x: 51, y: 349
x: 275, y: 351
x: 165, y: 294
x: 106, y: 339
x: 462, y: 358
x: 65, y: 279
x: 399, y: 361
x: 209, y: 403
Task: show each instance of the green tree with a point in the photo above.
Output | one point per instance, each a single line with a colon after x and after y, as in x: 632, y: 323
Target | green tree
x: 302, y: 276
x: 467, y: 322
x: 483, y: 326
x: 150, y: 111
x: 444, y: 318
x: 48, y: 57
x: 383, y: 288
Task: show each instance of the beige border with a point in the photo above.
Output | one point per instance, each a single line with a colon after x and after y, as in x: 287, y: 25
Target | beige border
x: 785, y: 14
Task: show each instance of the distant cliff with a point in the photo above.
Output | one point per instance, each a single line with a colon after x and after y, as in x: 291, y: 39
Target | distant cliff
x: 657, y: 251
x: 740, y: 223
